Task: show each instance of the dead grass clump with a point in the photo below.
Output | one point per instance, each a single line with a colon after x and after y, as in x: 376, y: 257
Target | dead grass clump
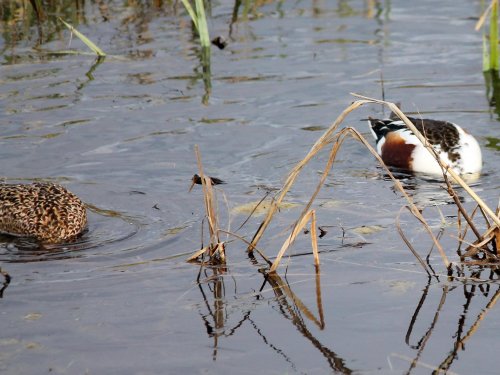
x: 216, y: 249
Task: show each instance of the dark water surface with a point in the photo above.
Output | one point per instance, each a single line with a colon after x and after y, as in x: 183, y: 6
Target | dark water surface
x: 121, y: 135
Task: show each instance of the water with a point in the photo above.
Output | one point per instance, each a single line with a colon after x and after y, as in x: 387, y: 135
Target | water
x: 121, y: 134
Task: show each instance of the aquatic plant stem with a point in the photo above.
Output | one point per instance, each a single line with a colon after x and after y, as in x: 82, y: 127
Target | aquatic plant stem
x: 494, y: 36
x: 199, y: 20
x: 490, y: 56
x: 318, y: 145
x: 310, y: 216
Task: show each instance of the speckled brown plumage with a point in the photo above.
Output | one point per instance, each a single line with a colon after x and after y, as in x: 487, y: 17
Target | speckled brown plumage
x: 47, y: 212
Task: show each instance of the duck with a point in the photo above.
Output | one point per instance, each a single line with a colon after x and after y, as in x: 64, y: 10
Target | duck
x: 47, y: 212
x: 399, y: 147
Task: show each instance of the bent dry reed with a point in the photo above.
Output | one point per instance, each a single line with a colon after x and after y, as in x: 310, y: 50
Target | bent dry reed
x: 482, y: 251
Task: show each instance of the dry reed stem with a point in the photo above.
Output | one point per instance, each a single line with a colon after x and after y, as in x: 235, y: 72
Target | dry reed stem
x: 461, y: 209
x: 208, y: 197
x: 260, y: 252
x: 413, y: 209
x: 476, y: 246
x: 465, y: 230
x: 338, y: 141
x: 408, y: 243
x: 320, y: 143
x: 296, y: 230
x: 483, y: 17
x: 435, y: 369
x: 314, y: 240
x: 306, y: 211
x: 198, y: 254
x: 215, y: 247
x: 252, y: 212
x: 338, y: 138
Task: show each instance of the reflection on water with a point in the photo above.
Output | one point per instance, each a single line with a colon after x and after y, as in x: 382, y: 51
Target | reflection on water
x: 219, y: 324
x: 6, y: 281
x: 293, y: 310
x: 466, y: 326
x: 428, y: 191
x: 289, y: 305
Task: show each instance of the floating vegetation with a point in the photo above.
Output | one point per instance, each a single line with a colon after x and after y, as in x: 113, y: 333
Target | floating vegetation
x: 483, y: 251
x: 258, y: 208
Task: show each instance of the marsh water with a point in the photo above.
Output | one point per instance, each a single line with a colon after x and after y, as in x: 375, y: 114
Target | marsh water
x: 120, y: 132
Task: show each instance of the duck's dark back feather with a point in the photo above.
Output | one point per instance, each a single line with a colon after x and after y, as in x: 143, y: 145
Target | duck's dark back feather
x: 442, y: 134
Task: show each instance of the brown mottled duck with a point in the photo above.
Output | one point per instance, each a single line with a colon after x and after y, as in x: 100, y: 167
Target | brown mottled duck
x: 45, y: 211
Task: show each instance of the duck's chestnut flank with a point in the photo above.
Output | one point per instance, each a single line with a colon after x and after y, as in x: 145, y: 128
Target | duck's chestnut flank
x: 396, y: 152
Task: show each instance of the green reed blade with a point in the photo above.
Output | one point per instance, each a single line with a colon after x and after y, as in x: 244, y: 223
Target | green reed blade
x: 486, y: 54
x: 202, y: 23
x: 84, y: 39
x: 494, y: 63
x: 192, y: 13
x: 199, y: 19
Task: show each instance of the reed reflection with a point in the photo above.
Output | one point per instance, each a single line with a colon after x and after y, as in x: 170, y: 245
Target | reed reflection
x: 6, y: 281
x: 294, y: 310
x: 216, y: 315
x: 474, y: 287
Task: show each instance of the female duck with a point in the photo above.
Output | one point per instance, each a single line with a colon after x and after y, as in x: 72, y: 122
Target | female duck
x: 45, y: 211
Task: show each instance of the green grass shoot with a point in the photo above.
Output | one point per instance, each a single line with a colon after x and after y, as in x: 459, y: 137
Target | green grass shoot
x: 199, y: 20
x: 494, y: 63
x: 99, y: 52
x: 490, y: 55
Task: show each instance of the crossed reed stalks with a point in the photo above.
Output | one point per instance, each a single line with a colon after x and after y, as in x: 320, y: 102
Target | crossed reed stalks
x: 486, y: 244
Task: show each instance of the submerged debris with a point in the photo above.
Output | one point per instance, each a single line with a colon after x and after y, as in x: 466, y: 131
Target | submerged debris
x: 220, y: 42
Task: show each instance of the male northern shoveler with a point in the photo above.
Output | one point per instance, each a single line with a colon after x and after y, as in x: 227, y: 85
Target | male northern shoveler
x: 45, y: 211
x: 399, y: 147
